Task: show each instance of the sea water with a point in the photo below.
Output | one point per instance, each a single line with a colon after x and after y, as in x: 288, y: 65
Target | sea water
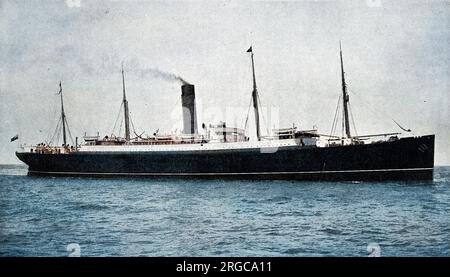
x: 41, y: 216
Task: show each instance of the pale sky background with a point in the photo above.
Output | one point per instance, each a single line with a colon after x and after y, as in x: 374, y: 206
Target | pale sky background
x: 396, y: 56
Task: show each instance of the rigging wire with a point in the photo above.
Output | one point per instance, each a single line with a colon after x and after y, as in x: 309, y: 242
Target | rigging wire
x: 120, y: 127
x: 117, y: 119
x: 404, y: 129
x: 68, y: 130
x: 55, y: 120
x: 248, y: 112
x: 353, y: 120
x: 134, y: 130
x: 377, y: 113
x: 58, y: 134
x: 262, y: 114
x: 56, y: 131
x: 132, y: 124
x: 52, y: 134
x: 337, y: 120
x: 343, y: 125
x: 333, y: 126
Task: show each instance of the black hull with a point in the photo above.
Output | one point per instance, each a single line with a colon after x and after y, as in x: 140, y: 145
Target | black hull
x: 403, y: 159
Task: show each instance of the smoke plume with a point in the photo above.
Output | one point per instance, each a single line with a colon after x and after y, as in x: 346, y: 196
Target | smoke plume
x: 164, y: 75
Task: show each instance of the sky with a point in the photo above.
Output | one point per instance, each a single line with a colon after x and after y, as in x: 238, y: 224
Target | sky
x: 396, y: 58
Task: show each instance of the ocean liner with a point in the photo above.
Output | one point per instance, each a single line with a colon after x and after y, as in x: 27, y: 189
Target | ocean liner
x: 219, y: 151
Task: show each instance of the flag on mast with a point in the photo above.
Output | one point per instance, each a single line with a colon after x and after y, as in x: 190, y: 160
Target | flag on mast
x: 250, y: 50
x: 60, y: 88
x: 16, y: 137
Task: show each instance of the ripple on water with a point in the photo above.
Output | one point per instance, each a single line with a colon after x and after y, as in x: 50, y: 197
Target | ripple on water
x: 332, y: 231
x: 293, y: 251
x: 278, y: 200
x: 249, y: 201
x: 90, y: 206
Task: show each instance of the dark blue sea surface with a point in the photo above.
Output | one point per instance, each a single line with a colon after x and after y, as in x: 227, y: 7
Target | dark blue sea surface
x: 40, y: 216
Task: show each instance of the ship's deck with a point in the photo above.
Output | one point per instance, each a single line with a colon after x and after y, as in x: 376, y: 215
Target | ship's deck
x: 268, y: 144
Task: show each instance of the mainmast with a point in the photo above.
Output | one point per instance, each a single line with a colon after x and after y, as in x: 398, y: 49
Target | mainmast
x: 125, y: 106
x: 255, y: 97
x: 63, y: 115
x: 345, y: 97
